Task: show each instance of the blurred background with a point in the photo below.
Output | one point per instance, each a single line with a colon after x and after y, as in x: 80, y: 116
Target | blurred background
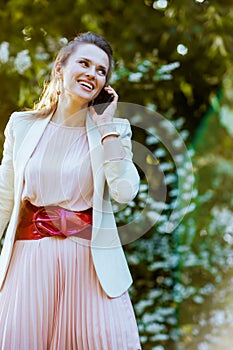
x: 173, y: 57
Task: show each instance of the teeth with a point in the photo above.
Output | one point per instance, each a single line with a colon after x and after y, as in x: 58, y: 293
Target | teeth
x: 84, y: 83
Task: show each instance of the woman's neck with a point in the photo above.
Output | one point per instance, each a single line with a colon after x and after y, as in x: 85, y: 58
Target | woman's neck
x: 70, y: 114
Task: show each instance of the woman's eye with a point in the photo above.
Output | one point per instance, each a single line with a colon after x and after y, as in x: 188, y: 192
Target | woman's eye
x: 83, y: 63
x: 102, y: 71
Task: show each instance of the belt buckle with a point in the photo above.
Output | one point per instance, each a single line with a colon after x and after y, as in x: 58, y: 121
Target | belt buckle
x: 48, y: 222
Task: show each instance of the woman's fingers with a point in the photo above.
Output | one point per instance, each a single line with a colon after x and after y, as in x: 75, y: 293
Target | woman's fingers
x: 111, y: 91
x: 109, y: 112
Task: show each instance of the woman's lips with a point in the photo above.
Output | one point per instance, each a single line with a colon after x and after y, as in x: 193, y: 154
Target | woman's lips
x: 86, y: 84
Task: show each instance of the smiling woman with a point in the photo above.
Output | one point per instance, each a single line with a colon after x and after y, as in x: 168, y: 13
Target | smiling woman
x: 64, y: 278
x: 82, y: 78
x: 87, y: 60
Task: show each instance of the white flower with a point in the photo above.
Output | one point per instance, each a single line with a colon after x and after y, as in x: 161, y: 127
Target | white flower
x: 22, y: 61
x: 160, y: 4
x: 167, y: 68
x: 170, y: 178
x: 182, y: 49
x: 4, y: 52
x: 63, y: 41
x: 160, y: 152
x: 177, y: 143
x: 222, y: 220
x: 203, y: 346
x: 135, y: 77
x: 153, y: 216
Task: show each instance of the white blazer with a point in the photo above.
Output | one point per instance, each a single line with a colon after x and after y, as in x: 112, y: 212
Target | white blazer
x: 22, y: 134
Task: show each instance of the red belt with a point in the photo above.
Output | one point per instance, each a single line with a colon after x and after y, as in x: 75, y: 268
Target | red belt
x: 39, y: 222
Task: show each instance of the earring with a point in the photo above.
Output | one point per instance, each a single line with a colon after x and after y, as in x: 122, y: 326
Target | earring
x: 58, y: 88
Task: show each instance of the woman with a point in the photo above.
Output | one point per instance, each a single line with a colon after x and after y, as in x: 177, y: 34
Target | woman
x: 63, y: 273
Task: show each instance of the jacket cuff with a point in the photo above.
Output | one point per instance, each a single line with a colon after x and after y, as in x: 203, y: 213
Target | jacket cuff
x: 113, y: 150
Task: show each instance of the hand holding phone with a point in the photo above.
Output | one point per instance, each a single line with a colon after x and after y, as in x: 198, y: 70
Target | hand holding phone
x: 103, y: 110
x: 102, y: 101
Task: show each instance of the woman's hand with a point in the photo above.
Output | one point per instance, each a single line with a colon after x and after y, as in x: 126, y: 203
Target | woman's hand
x: 104, y: 121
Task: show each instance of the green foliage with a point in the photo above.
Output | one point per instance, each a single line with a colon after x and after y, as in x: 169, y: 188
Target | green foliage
x: 207, y: 264
x: 196, y: 35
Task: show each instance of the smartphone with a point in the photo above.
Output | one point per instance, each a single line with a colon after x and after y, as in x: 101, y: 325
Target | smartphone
x: 102, y: 101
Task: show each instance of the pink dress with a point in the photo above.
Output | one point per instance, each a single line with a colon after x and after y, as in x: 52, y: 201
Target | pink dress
x: 52, y: 298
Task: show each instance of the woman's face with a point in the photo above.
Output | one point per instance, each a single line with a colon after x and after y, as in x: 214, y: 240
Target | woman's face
x: 84, y: 73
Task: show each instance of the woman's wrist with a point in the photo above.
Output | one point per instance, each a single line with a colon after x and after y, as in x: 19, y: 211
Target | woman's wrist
x: 113, y: 149
x: 109, y: 135
x: 106, y: 128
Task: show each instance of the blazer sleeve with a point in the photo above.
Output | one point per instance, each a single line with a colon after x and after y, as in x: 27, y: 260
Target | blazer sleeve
x: 6, y: 179
x: 121, y: 175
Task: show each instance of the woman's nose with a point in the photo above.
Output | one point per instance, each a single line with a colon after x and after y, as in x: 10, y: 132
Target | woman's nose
x: 91, y: 72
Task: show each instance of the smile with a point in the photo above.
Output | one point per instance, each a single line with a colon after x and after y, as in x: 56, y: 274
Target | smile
x: 86, y: 84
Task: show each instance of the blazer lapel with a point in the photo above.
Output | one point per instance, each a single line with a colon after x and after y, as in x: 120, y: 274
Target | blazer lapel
x: 27, y: 147
x: 30, y: 141
x: 97, y: 159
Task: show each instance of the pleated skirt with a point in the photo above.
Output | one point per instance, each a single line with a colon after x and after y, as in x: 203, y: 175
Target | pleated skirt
x: 52, y: 300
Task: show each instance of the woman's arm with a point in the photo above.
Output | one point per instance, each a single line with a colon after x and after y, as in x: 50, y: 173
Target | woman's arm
x: 120, y: 172
x: 6, y: 179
